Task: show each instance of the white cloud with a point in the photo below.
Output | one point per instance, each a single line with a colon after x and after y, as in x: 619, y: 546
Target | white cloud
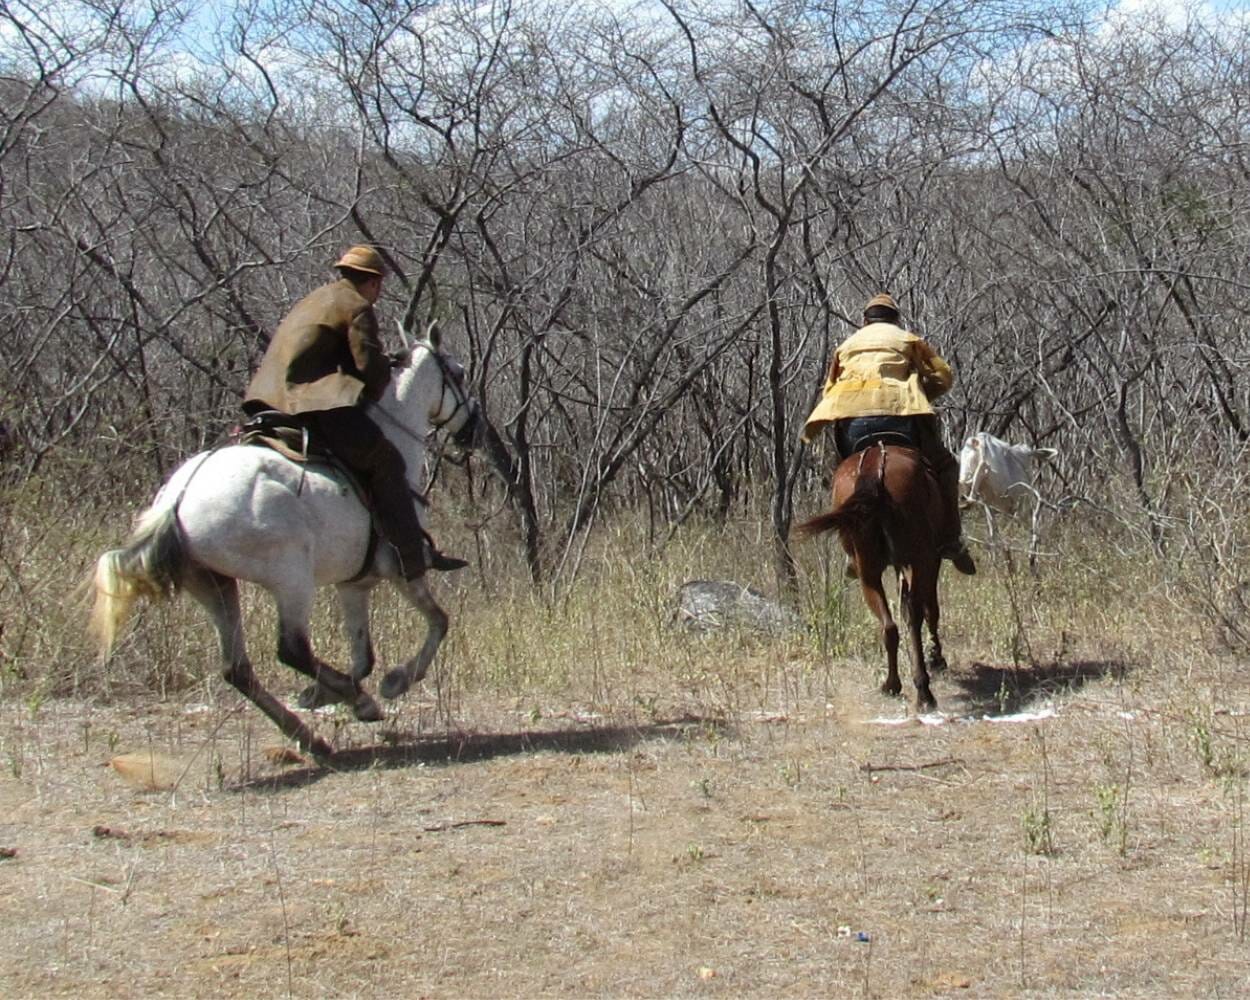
x: 1175, y: 15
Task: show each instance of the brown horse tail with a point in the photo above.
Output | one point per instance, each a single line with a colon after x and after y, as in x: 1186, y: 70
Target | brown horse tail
x: 862, y: 513
x: 151, y: 566
x: 817, y: 525
x: 858, y: 511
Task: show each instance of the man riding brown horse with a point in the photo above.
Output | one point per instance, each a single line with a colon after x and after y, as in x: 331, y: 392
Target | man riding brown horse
x: 880, y: 387
x: 324, y: 363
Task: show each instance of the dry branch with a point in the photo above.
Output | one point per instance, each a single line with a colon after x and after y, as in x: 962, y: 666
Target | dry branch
x: 869, y: 768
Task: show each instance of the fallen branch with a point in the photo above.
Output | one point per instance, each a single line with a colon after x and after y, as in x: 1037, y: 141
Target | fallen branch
x: 437, y: 827
x: 870, y: 768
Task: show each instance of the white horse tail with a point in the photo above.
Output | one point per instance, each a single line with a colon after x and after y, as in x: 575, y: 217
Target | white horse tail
x: 151, y: 565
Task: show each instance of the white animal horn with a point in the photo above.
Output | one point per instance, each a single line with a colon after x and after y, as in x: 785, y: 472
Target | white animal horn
x: 403, y: 335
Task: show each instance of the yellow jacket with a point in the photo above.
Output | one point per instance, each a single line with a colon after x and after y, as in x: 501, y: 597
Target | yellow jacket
x: 880, y: 370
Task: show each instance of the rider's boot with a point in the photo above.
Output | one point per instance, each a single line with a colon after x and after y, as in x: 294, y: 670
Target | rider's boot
x: 955, y: 549
x: 957, y: 552
x: 445, y: 563
x: 414, y: 560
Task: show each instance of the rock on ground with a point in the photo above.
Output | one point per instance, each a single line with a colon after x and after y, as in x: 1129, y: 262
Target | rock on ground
x: 704, y: 605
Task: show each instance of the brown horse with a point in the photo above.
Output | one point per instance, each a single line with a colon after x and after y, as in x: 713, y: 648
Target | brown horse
x: 887, y: 511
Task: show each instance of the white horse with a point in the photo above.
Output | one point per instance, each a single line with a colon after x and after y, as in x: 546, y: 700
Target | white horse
x: 243, y: 512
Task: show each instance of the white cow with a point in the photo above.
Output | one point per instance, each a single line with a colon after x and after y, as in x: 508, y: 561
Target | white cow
x: 1000, y: 475
x: 996, y: 473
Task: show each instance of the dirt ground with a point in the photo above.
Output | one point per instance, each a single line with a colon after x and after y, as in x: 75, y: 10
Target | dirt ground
x: 815, y: 845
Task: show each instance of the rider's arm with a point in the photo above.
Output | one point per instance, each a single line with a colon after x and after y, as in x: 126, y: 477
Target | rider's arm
x: 936, y: 376
x: 835, y: 369
x: 366, y: 347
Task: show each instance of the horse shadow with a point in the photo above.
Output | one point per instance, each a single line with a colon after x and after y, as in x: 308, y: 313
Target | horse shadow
x: 986, y: 689
x: 446, y: 749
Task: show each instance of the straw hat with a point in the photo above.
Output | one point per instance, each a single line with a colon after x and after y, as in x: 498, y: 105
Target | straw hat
x: 882, y: 299
x: 362, y: 258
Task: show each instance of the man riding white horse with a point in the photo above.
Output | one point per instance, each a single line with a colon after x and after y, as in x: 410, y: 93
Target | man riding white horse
x: 323, y: 365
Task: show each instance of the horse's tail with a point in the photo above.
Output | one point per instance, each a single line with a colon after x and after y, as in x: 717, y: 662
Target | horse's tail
x: 861, y: 512
x: 151, y: 566
x: 817, y: 525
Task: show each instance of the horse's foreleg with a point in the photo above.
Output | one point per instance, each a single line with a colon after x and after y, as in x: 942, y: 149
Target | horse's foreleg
x: 400, y: 679
x: 295, y: 650
x: 936, y: 658
x: 220, y: 597
x: 354, y: 600
x: 874, y: 597
x: 918, y: 601
x: 923, y: 599
x: 932, y: 617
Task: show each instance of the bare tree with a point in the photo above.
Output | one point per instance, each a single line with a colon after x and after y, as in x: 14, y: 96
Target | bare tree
x: 649, y: 229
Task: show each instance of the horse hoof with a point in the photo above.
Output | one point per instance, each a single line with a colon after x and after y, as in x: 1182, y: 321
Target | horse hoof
x: 937, y: 664
x: 925, y: 705
x: 394, y: 683
x: 366, y: 709
x: 315, y: 696
x: 893, y: 690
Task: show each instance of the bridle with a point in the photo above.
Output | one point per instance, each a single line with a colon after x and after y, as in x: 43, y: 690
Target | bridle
x: 454, y: 382
x: 451, y: 382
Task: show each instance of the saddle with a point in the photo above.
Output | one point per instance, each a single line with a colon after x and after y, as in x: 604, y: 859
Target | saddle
x: 858, y: 433
x: 286, y: 435
x: 289, y: 437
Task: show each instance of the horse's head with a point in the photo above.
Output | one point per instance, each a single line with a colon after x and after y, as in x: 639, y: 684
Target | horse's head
x: 430, y: 385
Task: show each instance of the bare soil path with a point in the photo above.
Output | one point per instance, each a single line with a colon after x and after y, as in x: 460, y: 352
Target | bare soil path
x: 810, y: 847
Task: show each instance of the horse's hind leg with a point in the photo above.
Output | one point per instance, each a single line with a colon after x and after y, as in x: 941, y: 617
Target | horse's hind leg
x: 220, y: 597
x: 400, y: 679
x: 874, y: 597
x: 295, y: 650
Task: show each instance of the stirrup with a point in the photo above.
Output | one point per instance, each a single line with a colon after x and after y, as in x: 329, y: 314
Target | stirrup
x: 409, y: 568
x: 445, y: 563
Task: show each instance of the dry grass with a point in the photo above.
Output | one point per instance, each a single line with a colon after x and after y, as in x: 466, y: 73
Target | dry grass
x: 583, y: 800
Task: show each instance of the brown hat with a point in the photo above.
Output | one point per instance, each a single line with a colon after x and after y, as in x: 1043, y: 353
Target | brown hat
x: 882, y: 299
x: 362, y: 258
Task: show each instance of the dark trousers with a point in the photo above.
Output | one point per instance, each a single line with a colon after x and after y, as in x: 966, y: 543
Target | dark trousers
x: 945, y: 467
x: 357, y: 442
x: 927, y: 433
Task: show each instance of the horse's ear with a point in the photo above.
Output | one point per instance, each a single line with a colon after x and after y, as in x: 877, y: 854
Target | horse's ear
x: 433, y: 334
x: 403, y: 335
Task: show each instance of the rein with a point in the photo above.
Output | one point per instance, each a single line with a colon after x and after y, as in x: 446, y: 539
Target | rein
x: 450, y: 382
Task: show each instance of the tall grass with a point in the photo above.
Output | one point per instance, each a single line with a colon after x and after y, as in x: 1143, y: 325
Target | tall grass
x: 607, y: 638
